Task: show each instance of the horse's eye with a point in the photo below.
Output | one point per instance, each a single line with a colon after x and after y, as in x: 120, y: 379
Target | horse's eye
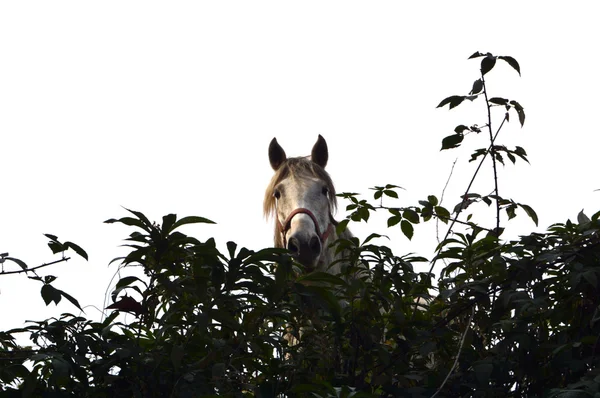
x: 325, y: 191
x: 277, y: 194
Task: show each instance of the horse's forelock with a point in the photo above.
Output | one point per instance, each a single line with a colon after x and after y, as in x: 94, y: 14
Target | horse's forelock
x: 297, y: 167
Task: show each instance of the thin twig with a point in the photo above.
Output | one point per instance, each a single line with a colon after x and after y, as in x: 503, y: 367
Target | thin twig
x: 34, y: 268
x: 462, y: 341
x: 437, y: 222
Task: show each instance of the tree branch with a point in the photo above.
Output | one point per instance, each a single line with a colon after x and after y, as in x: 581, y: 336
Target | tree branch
x: 34, y: 268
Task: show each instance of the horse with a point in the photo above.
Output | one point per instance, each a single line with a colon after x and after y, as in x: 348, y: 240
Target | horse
x: 301, y: 197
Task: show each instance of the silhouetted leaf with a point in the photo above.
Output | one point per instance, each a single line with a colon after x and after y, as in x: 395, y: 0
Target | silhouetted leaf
x: 498, y: 101
x: 167, y: 224
x: 50, y: 294
x: 407, y: 229
x: 476, y: 54
x: 452, y: 141
x: 411, y: 216
x: 20, y: 263
x: 390, y: 193
x: 453, y: 101
x: 487, y: 63
x: 76, y: 249
x: 460, y: 129
x: 512, y: 62
x: 530, y: 212
x: 393, y: 221
x: 71, y: 299
x: 477, y: 87
x: 191, y: 220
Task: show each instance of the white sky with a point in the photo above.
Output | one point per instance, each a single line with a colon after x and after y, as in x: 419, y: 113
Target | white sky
x: 169, y: 108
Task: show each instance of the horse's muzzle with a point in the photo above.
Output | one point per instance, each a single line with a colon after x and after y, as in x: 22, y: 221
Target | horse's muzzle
x: 306, y: 249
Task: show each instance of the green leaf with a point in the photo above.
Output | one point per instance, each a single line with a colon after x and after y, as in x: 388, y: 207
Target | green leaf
x: 453, y: 101
x: 512, y: 62
x: 407, y: 229
x: 582, y: 218
x: 393, y: 221
x: 377, y: 194
x: 77, y: 249
x: 433, y: 200
x: 411, y: 216
x: 191, y: 220
x: 530, y: 212
x: 477, y: 87
x: 325, y: 277
x: 128, y: 280
x: 442, y: 213
x: 341, y: 227
x: 487, y: 63
x: 167, y: 224
x: 452, y: 141
x: 510, y: 211
x: 390, y: 193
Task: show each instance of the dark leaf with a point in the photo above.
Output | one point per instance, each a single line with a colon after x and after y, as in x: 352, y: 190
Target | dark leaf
x: 453, y: 101
x: 530, y: 212
x: 582, y: 218
x: 393, y: 221
x: 128, y: 280
x: 167, y: 224
x: 487, y: 63
x: 77, y: 249
x: 390, y: 193
x: 20, y: 263
x: 191, y: 220
x: 477, y: 87
x: 452, y: 141
x: 71, y: 299
x: 411, y: 216
x: 341, y: 227
x: 127, y: 304
x: 498, y: 101
x: 407, y: 229
x: 460, y: 129
x: 512, y: 62
x: 442, y: 213
x: 50, y: 294
x: 433, y: 200
x: 476, y: 55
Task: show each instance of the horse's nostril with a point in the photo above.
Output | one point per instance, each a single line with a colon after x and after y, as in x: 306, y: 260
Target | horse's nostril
x: 315, y: 246
x: 294, y: 246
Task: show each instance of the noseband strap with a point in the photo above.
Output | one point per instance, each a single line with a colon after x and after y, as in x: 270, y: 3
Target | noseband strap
x: 287, y: 224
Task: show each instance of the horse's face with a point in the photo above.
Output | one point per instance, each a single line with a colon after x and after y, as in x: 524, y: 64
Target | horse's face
x: 302, y: 203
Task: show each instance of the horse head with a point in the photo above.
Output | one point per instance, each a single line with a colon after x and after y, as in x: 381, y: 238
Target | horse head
x: 301, y: 196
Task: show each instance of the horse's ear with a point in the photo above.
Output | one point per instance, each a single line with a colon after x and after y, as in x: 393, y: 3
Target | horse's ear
x: 276, y: 154
x: 319, y: 153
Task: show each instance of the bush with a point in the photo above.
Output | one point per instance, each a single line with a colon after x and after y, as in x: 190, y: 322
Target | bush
x: 504, y: 318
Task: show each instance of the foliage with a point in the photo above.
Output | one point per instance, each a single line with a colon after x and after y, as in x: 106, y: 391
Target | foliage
x: 503, y: 318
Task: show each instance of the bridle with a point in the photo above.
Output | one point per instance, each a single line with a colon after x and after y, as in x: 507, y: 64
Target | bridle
x: 287, y: 224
